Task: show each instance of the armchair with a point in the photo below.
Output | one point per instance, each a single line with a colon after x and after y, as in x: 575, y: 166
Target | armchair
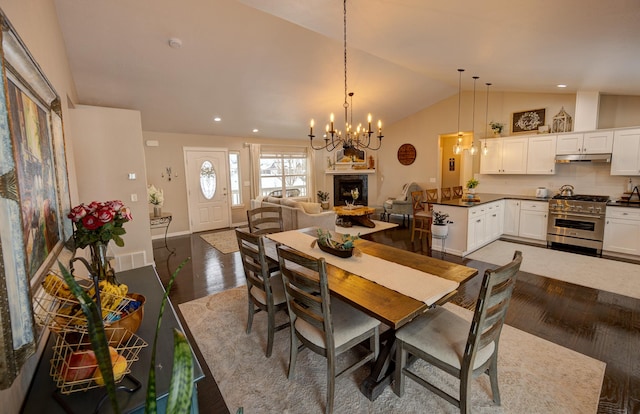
x: 400, y: 204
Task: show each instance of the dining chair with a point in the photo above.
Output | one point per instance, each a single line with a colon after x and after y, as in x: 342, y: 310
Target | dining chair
x: 448, y: 342
x: 265, y: 220
x: 324, y: 324
x: 446, y: 193
x: 432, y: 194
x: 265, y: 290
x: 457, y: 191
x: 421, y: 218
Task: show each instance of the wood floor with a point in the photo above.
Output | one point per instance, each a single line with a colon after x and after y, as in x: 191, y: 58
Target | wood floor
x: 599, y: 324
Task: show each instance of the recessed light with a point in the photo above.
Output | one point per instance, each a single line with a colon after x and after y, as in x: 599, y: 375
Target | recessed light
x: 217, y: 119
x: 255, y: 129
x: 561, y: 85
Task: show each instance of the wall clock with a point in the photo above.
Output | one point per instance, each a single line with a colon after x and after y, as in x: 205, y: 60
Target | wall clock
x: 406, y: 154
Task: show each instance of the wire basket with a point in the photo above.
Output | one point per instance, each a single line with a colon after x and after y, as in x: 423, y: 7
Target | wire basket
x: 56, y: 307
x: 75, y: 368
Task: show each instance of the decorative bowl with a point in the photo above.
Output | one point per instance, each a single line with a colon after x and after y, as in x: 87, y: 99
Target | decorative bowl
x: 344, y: 253
x: 130, y: 322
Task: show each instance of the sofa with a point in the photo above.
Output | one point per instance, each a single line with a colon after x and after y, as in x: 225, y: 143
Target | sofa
x: 298, y: 212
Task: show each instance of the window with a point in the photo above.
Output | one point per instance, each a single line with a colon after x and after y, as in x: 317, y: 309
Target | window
x: 234, y: 175
x: 283, y: 171
x: 208, y: 180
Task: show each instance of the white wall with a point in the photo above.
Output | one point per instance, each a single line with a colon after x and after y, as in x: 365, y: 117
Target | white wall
x: 108, y: 147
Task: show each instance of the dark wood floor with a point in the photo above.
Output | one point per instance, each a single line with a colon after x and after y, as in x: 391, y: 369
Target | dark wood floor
x: 599, y: 324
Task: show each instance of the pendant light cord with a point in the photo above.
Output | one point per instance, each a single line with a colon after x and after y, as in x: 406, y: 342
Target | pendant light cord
x: 346, y: 104
x: 459, y: 99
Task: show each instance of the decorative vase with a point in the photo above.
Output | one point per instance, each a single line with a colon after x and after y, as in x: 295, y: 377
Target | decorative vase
x: 100, y: 264
x: 471, y: 191
x: 325, y: 205
x: 157, y: 211
x: 439, y: 230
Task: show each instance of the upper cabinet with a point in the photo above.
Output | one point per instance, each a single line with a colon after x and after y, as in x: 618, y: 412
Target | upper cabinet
x: 541, y: 154
x: 504, y: 156
x: 625, y: 157
x: 597, y: 142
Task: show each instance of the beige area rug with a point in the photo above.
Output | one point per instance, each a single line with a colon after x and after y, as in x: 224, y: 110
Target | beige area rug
x: 224, y: 241
x: 535, y: 376
x: 595, y: 272
x: 380, y: 225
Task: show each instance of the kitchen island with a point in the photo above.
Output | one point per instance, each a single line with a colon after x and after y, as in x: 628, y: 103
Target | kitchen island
x: 478, y: 223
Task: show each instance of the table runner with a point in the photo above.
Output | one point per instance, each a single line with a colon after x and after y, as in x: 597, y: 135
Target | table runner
x: 416, y: 284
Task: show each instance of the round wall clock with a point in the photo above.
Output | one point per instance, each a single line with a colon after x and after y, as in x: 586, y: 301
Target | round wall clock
x: 406, y: 154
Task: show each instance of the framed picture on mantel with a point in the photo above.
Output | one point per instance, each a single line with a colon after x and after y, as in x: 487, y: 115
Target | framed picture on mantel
x: 527, y: 121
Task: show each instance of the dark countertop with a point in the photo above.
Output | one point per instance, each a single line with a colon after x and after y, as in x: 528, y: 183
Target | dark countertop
x: 488, y: 198
x: 617, y: 203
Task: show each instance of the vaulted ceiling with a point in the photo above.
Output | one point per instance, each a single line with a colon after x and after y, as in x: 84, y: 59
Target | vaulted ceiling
x: 273, y: 65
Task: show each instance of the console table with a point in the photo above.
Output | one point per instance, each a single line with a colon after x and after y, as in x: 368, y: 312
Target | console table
x: 161, y: 221
x: 40, y: 398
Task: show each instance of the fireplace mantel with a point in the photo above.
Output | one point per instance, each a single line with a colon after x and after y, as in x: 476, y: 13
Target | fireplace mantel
x: 349, y: 171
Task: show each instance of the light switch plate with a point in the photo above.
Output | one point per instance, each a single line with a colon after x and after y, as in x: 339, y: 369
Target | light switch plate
x: 134, y: 197
x: 132, y: 176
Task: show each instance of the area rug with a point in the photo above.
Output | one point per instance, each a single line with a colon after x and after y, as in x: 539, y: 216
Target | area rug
x: 595, y: 272
x: 223, y: 241
x: 380, y: 225
x: 535, y: 376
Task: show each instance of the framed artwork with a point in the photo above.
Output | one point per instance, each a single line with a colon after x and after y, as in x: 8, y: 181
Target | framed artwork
x: 406, y: 154
x: 34, y: 195
x: 527, y: 121
x: 351, y: 156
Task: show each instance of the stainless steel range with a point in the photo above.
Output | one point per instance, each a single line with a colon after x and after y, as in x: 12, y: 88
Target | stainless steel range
x: 576, y: 221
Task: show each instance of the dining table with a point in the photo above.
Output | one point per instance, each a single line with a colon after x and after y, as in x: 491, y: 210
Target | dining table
x: 388, y: 283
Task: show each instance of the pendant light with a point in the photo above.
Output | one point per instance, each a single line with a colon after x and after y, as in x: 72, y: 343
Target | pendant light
x: 474, y: 149
x: 485, y: 150
x: 457, y: 149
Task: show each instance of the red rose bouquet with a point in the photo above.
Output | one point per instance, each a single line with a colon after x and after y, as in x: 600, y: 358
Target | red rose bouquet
x: 99, y: 223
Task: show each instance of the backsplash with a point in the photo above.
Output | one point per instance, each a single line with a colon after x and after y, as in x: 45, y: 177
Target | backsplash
x: 593, y: 179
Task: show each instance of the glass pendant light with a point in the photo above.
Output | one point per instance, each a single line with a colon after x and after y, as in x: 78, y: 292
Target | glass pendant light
x: 485, y: 150
x: 457, y: 149
x: 474, y: 149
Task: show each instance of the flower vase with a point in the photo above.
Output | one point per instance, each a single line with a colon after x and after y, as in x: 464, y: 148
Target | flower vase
x: 100, y: 264
x: 157, y: 211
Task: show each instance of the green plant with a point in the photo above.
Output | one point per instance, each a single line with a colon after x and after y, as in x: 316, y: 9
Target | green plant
x: 496, y: 126
x: 472, y: 183
x: 325, y: 238
x: 440, y: 218
x: 322, y: 196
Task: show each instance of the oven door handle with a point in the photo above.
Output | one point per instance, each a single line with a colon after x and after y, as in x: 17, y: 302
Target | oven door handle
x: 576, y: 215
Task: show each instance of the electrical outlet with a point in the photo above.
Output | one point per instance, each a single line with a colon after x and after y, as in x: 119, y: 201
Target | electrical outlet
x: 134, y: 197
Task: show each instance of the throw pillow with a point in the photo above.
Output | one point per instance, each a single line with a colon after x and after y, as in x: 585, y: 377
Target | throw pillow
x: 311, y: 208
x: 290, y: 203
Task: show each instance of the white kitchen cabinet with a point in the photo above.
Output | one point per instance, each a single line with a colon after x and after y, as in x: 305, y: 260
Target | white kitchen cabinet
x: 622, y: 230
x: 625, y: 157
x: 597, y: 142
x: 504, y: 156
x: 484, y: 224
x: 541, y: 153
x: 511, y: 217
x: 533, y: 219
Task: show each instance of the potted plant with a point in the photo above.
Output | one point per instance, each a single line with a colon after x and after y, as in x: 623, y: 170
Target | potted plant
x: 471, y: 185
x: 440, y: 224
x: 156, y: 198
x: 496, y: 127
x: 323, y: 198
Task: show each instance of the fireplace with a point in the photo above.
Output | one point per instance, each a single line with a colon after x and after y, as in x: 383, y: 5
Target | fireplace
x: 342, y: 186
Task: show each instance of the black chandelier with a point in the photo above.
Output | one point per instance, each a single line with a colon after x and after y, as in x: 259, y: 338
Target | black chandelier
x: 354, y: 139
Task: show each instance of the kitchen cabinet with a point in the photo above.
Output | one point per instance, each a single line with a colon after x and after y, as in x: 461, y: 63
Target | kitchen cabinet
x: 484, y: 224
x: 596, y: 142
x: 541, y: 154
x: 511, y: 225
x: 504, y: 156
x: 622, y: 230
x: 533, y: 219
x: 625, y: 156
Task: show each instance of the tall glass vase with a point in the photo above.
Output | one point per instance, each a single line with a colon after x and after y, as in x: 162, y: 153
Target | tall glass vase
x: 100, y: 263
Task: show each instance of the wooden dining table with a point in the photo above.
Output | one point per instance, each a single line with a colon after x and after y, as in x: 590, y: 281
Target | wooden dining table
x: 392, y: 308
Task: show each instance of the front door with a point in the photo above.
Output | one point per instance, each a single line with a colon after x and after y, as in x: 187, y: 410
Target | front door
x: 207, y: 184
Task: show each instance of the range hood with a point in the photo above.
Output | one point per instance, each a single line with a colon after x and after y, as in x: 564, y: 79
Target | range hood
x: 594, y: 158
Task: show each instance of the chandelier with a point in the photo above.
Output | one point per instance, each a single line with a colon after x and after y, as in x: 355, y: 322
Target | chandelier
x: 354, y: 138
